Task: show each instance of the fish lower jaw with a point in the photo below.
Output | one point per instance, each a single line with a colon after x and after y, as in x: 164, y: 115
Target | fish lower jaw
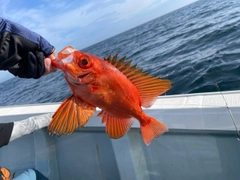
x: 74, y: 82
x: 82, y: 75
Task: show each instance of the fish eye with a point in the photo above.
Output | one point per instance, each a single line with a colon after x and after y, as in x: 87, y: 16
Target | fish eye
x: 85, y: 62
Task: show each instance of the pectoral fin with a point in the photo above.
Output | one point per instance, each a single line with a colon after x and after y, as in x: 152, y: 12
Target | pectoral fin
x: 71, y: 114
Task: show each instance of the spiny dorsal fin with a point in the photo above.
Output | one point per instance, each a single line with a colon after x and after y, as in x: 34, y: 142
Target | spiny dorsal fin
x: 149, y: 87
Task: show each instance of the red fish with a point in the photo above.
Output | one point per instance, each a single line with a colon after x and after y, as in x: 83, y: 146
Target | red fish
x: 114, y: 86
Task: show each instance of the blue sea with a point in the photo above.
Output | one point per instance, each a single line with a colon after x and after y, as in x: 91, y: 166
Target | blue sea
x: 197, y: 47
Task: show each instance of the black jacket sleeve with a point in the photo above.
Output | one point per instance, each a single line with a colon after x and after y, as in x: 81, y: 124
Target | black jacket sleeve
x: 22, y: 51
x: 5, y: 133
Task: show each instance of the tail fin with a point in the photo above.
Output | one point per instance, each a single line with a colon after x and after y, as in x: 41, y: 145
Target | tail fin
x: 152, y: 130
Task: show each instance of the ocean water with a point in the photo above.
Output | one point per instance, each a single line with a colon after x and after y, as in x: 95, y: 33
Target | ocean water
x: 196, y: 47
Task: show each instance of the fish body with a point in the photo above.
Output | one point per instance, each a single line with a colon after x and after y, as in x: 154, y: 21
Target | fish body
x: 114, y: 86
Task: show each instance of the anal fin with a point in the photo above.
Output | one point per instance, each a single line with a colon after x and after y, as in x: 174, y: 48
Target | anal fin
x: 116, y: 127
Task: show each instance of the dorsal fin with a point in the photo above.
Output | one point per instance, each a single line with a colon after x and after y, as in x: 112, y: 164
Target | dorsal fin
x: 149, y: 87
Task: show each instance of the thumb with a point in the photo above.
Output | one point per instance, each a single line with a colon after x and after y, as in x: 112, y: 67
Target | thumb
x: 48, y: 66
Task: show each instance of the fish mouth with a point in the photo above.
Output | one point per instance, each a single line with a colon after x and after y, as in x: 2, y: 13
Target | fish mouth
x: 55, y: 63
x: 82, y: 76
x: 78, y: 83
x: 72, y: 80
x: 77, y: 80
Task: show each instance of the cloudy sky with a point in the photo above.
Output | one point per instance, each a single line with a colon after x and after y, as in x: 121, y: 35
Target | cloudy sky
x: 81, y: 23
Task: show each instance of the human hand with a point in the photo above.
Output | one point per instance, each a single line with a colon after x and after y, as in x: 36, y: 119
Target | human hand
x: 24, y: 53
x: 49, y: 68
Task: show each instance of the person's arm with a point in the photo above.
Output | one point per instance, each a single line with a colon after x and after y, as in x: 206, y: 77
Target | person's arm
x: 15, y: 130
x: 22, y: 52
x: 29, y: 125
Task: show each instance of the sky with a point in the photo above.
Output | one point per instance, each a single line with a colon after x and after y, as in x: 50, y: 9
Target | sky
x: 81, y: 23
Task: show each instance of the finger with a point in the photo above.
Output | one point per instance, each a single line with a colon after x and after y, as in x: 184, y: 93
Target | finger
x: 52, y: 56
x: 48, y: 66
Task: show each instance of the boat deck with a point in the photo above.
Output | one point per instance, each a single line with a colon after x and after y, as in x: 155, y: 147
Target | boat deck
x: 201, y: 144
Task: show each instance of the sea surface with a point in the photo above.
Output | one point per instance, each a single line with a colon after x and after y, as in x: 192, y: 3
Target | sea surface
x: 197, y: 47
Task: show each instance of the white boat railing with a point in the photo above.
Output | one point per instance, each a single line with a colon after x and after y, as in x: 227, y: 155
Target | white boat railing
x: 202, y: 111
